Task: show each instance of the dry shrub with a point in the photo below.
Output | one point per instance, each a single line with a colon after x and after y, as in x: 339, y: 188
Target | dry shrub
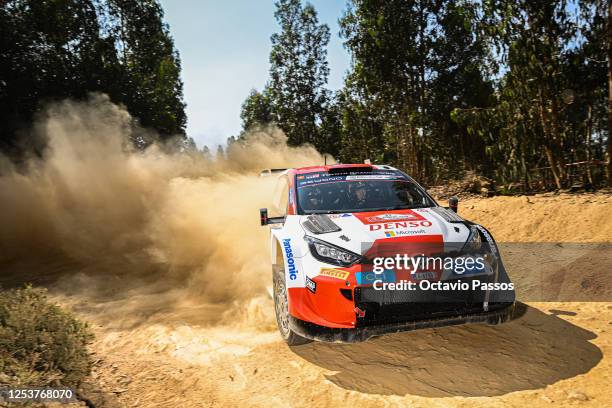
x: 40, y: 344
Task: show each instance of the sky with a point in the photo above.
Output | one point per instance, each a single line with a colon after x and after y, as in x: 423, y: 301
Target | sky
x: 224, y: 48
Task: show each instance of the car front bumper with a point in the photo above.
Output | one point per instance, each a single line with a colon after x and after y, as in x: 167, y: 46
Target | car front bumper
x: 496, y: 314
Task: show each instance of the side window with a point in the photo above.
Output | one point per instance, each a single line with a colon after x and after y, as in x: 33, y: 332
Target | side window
x: 281, y: 198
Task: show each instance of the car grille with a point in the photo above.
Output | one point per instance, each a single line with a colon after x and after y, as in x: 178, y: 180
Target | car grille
x: 390, y: 306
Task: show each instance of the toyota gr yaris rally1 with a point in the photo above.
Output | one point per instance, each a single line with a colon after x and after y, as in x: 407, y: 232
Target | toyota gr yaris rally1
x: 351, y: 247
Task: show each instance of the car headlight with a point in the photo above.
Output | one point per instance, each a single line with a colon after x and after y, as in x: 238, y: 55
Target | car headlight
x: 473, y: 242
x: 475, y: 245
x: 474, y: 237
x: 328, y: 253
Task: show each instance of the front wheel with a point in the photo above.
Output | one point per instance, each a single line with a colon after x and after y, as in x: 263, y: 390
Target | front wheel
x: 281, y: 307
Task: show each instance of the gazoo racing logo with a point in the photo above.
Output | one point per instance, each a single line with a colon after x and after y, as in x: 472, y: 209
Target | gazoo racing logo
x: 393, y: 217
x: 400, y: 224
x: 290, y: 261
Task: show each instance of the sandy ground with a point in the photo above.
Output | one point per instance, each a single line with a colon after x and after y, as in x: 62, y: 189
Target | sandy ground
x: 557, y: 354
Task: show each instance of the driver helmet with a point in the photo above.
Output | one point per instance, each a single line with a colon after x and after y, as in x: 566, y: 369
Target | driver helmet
x: 360, y: 185
x: 314, y: 197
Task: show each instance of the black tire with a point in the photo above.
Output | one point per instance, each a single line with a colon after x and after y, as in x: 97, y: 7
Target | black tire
x: 281, y: 308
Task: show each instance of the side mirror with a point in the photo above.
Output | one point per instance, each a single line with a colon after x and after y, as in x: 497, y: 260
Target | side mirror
x: 265, y: 220
x: 263, y: 216
x: 453, y: 203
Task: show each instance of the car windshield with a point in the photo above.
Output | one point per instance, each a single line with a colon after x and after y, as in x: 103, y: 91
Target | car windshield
x: 358, y: 192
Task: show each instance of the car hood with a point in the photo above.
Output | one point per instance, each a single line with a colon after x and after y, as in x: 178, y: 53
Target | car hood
x: 357, y: 232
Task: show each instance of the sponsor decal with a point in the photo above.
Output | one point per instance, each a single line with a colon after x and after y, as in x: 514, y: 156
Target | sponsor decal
x: 334, y: 273
x: 325, y: 177
x: 391, y: 234
x: 291, y: 270
x: 424, y: 275
x: 372, y: 177
x: 319, y: 180
x: 394, y: 217
x: 384, y: 217
x: 368, y: 278
x: 399, y: 225
x: 334, y: 216
x: 311, y: 285
x: 488, y: 238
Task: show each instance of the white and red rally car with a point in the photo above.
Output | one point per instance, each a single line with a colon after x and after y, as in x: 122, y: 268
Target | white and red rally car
x: 333, y: 243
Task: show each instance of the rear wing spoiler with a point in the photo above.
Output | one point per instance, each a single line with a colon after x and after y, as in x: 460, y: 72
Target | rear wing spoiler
x: 270, y: 172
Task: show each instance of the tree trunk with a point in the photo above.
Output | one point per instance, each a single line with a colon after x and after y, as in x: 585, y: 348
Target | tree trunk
x: 589, y: 130
x: 556, y: 137
x: 550, y: 154
x: 609, y: 154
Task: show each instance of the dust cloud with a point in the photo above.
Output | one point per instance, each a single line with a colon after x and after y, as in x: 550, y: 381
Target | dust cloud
x: 104, y: 218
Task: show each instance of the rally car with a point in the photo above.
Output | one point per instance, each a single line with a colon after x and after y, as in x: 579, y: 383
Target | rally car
x: 335, y: 239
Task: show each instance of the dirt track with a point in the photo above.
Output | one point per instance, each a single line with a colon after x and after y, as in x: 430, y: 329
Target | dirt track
x: 558, y: 353
x: 152, y: 351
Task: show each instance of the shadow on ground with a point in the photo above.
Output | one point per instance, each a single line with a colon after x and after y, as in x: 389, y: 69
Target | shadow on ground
x: 473, y: 360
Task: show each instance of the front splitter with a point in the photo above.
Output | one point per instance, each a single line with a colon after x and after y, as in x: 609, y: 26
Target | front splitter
x: 358, y: 334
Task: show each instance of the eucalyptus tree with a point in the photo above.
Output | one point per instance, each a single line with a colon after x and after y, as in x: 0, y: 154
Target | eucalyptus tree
x: 462, y: 70
x: 390, y: 43
x: 299, y: 71
x: 150, y: 65
x: 56, y: 49
x: 534, y: 38
x: 49, y: 50
x: 413, y: 62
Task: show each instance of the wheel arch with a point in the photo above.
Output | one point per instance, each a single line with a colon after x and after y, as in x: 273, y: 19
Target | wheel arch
x: 276, y: 252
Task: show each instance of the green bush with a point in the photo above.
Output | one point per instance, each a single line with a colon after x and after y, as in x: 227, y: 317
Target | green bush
x: 40, y: 344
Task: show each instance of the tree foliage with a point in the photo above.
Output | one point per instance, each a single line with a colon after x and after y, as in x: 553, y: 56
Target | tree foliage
x: 298, y: 71
x: 413, y: 62
x: 257, y: 110
x: 56, y: 49
x: 513, y: 90
x: 551, y: 95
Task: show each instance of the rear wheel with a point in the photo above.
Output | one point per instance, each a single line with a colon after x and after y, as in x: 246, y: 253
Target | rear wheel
x: 281, y: 307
